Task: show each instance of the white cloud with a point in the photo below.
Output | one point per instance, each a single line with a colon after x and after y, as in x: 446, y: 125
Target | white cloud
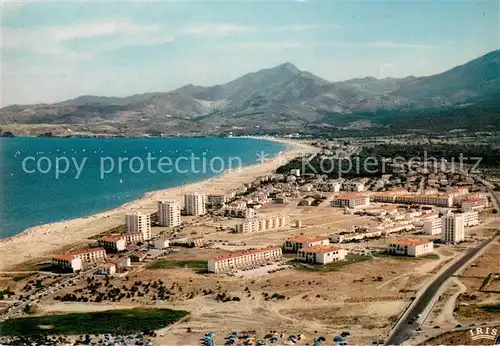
x: 391, y: 44
x: 51, y: 39
x: 262, y: 45
x: 215, y: 29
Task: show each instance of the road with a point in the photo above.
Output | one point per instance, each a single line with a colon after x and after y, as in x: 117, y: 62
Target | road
x: 405, y: 328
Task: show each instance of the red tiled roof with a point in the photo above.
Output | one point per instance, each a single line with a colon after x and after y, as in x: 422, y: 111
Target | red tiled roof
x: 81, y: 252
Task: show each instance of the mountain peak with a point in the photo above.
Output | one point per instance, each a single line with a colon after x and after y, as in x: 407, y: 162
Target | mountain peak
x: 289, y: 67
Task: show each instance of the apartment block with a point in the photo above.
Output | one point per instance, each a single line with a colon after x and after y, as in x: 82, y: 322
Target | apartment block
x: 474, y: 202
x: 67, y: 262
x: 296, y: 243
x: 76, y: 260
x: 433, y: 226
x: 169, y: 213
x: 139, y: 222
x: 411, y: 247
x: 471, y: 218
x: 321, y: 254
x: 259, y: 224
x: 452, y: 230
x: 242, y: 259
x: 351, y: 200
x: 238, y: 212
x: 216, y: 199
x: 438, y: 200
x: 195, y: 204
x: 114, y: 243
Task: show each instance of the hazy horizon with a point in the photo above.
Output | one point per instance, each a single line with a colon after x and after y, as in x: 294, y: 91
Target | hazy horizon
x: 58, y: 51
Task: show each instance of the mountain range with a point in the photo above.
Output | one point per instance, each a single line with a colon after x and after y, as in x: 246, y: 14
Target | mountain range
x: 280, y: 97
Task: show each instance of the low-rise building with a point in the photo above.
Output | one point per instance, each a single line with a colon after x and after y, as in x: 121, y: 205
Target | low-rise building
x: 308, y: 201
x: 114, y: 242
x: 242, y: 259
x: 471, y: 218
x: 107, y: 269
x: 216, y: 200
x: 296, y: 243
x: 474, y: 202
x: 238, y: 212
x: 432, y: 226
x: 351, y: 200
x: 260, y: 224
x: 161, y: 243
x: 138, y: 257
x: 67, y: 262
x: 346, y: 238
x: 438, y: 200
x: 353, y: 186
x: 83, y: 258
x: 133, y: 237
x: 411, y: 247
x: 321, y: 254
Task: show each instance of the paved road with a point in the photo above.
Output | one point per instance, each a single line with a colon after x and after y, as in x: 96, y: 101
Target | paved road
x: 405, y: 330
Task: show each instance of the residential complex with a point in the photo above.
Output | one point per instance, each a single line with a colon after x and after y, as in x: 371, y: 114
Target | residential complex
x: 432, y: 227
x: 471, y: 218
x: 242, y: 259
x: 474, y: 202
x: 115, y: 242
x: 139, y: 222
x: 216, y: 199
x: 169, y: 213
x: 260, y: 224
x: 411, y: 247
x: 83, y: 258
x: 406, y: 198
x: 452, y: 230
x: 195, y: 204
x: 321, y: 254
x: 239, y: 212
x: 351, y: 200
x: 296, y: 243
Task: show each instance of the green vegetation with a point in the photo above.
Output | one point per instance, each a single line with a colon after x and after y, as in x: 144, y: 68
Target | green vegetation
x: 330, y: 267
x: 432, y: 256
x: 115, y: 321
x: 492, y: 308
x: 171, y: 264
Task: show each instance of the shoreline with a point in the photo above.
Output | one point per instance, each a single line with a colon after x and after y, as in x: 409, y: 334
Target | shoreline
x: 38, y: 241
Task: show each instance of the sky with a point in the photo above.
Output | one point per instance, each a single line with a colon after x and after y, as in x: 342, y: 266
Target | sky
x: 53, y: 51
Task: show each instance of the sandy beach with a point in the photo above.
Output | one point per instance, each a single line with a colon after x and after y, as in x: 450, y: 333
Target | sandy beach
x: 40, y: 241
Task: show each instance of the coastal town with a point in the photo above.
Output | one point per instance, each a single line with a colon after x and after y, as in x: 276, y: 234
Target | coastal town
x: 290, y: 257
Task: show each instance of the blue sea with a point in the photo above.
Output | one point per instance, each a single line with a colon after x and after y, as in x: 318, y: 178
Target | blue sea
x: 45, y: 180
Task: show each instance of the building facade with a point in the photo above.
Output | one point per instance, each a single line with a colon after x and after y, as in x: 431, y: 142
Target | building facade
x: 216, y: 199
x: 161, y: 243
x: 321, y: 254
x: 243, y: 259
x: 296, y: 243
x: 169, y: 213
x: 452, y: 230
x: 139, y: 222
x: 238, y: 212
x: 433, y: 226
x: 351, y: 200
x: 259, y: 224
x: 411, y: 247
x: 195, y: 204
x: 67, y: 262
x: 471, y: 218
x: 114, y: 243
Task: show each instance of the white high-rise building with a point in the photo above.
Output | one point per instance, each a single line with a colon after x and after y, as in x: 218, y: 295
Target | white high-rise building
x: 169, y: 213
x: 194, y: 204
x: 139, y: 222
x: 452, y: 229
